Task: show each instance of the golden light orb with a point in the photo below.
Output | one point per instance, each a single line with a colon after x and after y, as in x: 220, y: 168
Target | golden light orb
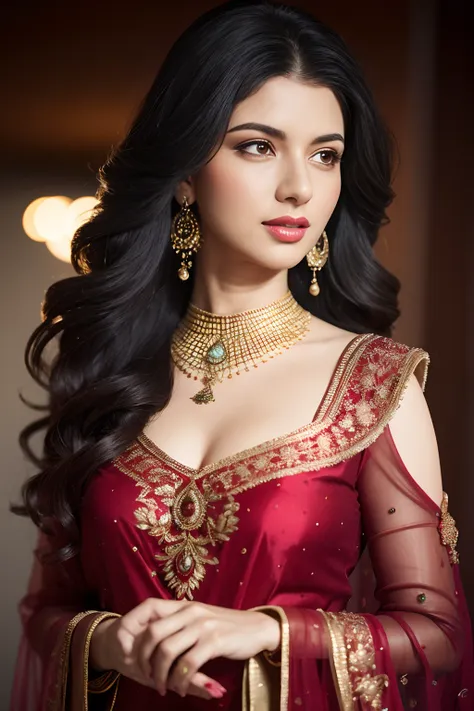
x: 28, y: 222
x: 50, y: 218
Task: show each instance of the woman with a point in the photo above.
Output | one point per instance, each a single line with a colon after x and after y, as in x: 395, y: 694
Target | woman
x: 198, y: 529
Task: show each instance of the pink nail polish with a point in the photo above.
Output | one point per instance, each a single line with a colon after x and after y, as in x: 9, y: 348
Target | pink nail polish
x: 215, y: 690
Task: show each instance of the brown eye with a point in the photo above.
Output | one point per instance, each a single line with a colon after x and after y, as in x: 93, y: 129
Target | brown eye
x: 261, y: 148
x: 329, y: 158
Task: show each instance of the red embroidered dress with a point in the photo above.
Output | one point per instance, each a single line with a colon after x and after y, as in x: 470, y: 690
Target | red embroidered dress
x: 281, y: 526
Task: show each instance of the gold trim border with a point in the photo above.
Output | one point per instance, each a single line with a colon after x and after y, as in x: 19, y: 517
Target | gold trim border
x: 349, y: 357
x: 100, y: 617
x: 414, y: 357
x: 413, y: 360
x: 255, y: 684
x: 338, y: 661
x: 63, y: 668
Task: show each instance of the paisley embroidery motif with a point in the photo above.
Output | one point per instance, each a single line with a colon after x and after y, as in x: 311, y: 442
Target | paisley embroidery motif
x: 170, y: 510
x: 185, y: 555
x: 189, y: 510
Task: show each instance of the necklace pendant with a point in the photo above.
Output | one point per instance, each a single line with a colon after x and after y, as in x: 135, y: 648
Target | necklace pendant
x: 219, y: 346
x: 204, y: 396
x: 216, y: 353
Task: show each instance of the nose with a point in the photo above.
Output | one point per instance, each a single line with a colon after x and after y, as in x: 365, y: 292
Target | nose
x: 295, y: 183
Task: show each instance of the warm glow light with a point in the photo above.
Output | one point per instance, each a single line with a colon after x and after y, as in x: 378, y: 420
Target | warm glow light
x: 80, y: 210
x: 51, y: 218
x: 28, y: 220
x: 60, y: 249
x: 54, y: 220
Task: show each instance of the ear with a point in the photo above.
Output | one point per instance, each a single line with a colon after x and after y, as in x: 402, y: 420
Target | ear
x: 185, y: 188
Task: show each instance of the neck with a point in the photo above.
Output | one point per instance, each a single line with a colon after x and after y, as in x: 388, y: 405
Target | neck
x: 222, y: 298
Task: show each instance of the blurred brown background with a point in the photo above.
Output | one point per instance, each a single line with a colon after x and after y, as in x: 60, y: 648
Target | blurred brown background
x: 72, y: 75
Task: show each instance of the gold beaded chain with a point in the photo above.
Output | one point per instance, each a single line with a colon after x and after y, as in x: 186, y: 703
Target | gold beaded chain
x: 210, y: 347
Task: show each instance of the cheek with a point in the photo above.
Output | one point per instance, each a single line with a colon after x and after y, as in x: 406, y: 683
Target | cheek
x: 220, y: 184
x: 336, y: 190
x: 334, y: 186
x: 328, y: 195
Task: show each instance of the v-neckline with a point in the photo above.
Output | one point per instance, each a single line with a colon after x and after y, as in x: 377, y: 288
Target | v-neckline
x: 322, y: 415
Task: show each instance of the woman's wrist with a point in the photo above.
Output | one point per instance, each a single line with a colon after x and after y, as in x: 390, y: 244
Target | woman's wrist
x: 271, y: 633
x: 98, y: 657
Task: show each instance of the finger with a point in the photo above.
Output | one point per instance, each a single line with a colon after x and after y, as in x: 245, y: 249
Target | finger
x: 150, y: 609
x: 167, y: 653
x: 190, y: 663
x: 197, y: 687
x: 158, y: 631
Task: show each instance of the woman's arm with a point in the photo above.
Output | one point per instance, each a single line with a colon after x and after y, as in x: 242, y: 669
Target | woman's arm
x: 420, y: 633
x: 401, y: 493
x: 58, y: 617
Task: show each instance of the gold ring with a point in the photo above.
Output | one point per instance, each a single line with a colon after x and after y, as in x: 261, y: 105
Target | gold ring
x: 184, y: 670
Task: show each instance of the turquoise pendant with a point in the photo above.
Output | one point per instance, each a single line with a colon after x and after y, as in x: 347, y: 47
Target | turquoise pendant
x: 216, y: 353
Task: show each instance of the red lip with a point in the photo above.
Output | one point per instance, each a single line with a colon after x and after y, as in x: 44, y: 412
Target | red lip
x: 286, y: 234
x: 287, y: 220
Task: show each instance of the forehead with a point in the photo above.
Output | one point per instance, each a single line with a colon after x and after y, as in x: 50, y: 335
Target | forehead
x: 292, y: 106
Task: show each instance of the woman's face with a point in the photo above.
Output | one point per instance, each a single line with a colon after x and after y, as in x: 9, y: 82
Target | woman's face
x: 288, y: 165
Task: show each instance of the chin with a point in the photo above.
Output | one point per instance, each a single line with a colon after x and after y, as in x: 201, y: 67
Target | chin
x: 289, y: 257
x: 281, y: 265
x: 274, y: 258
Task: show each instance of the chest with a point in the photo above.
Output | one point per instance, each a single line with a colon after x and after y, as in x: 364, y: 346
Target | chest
x: 275, y: 512
x: 247, y: 412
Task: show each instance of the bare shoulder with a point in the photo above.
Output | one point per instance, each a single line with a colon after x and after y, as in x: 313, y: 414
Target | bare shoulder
x: 326, y: 334
x: 415, y: 438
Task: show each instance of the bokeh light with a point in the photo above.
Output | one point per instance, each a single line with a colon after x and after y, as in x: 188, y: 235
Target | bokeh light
x: 60, y: 249
x: 51, y: 218
x: 80, y: 211
x: 29, y: 222
x: 54, y: 220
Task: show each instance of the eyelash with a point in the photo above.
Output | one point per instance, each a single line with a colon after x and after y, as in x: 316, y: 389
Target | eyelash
x: 337, y: 157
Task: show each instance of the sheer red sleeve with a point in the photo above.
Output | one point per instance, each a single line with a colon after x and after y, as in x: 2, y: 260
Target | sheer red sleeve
x: 422, y: 612
x: 415, y: 649
x: 411, y: 648
x: 54, y: 611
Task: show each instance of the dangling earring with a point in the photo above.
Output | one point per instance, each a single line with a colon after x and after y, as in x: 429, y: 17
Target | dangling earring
x: 317, y: 258
x: 185, y: 238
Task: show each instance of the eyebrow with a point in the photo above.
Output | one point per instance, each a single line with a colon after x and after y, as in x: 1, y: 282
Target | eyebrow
x: 277, y: 133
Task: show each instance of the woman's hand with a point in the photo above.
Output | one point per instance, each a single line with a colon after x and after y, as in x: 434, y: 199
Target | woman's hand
x: 195, y: 633
x: 115, y: 642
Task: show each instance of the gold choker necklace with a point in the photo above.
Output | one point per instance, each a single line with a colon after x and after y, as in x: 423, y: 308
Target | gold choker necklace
x: 210, y: 347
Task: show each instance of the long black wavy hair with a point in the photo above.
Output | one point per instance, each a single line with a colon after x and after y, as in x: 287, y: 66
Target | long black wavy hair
x: 115, y: 319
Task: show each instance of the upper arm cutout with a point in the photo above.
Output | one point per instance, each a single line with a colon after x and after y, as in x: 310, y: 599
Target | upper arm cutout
x: 414, y: 436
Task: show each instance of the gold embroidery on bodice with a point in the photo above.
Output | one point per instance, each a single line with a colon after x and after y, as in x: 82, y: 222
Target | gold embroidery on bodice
x: 170, y: 509
x: 189, y: 510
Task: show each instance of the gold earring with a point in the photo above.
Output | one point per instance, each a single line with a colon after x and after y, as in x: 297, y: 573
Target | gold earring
x: 317, y: 258
x: 186, y: 238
